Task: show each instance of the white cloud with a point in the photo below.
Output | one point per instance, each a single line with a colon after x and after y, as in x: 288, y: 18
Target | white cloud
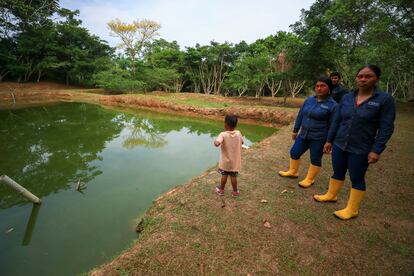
x: 194, y: 21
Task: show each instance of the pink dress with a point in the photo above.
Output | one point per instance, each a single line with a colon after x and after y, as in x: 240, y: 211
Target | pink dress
x: 230, y: 156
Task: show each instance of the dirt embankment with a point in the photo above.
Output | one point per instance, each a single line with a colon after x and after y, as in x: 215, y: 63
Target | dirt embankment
x: 255, y: 112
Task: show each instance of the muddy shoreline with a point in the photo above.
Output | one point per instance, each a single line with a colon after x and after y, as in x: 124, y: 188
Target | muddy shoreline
x: 264, y: 115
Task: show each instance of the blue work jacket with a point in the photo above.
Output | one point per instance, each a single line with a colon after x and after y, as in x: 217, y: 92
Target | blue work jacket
x: 338, y: 91
x: 364, y: 128
x: 314, y: 118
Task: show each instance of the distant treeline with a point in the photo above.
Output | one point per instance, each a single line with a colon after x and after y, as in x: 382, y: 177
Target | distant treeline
x: 42, y: 41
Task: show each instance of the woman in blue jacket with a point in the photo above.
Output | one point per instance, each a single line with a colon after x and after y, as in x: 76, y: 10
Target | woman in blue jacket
x: 361, y: 127
x: 313, y: 121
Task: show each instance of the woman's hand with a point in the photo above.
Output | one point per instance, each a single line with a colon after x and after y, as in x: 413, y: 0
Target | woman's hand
x: 373, y: 157
x: 294, y: 136
x: 327, y: 148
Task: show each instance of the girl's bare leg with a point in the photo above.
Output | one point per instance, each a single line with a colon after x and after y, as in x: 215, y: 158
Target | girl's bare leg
x: 223, y: 181
x: 233, y: 180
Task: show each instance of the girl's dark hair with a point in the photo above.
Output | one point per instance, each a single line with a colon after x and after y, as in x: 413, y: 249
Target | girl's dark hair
x: 231, y: 120
x: 327, y: 81
x: 374, y: 69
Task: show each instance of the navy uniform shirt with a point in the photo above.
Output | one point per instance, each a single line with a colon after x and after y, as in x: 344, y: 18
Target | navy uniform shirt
x: 314, y: 118
x: 364, y: 128
x: 338, y: 91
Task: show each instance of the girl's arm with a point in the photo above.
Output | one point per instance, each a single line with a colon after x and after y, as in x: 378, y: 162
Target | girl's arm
x: 219, y: 140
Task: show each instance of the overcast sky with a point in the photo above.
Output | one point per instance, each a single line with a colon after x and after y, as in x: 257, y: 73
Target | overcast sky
x: 193, y: 21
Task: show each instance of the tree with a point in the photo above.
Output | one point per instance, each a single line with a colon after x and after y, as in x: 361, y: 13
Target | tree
x: 207, y: 66
x: 17, y: 16
x: 118, y: 80
x: 345, y: 34
x: 249, y: 74
x: 79, y: 54
x: 134, y: 36
x: 166, y: 60
x: 319, y: 50
x: 37, y: 45
x: 238, y: 79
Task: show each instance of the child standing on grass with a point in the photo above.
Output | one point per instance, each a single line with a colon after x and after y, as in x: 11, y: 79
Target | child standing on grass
x: 230, y: 142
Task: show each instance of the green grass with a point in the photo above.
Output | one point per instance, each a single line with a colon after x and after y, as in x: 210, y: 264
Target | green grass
x: 303, y: 216
x: 203, y: 103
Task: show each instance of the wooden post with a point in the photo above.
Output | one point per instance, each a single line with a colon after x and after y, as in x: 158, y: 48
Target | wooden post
x: 10, y: 182
x: 30, y: 225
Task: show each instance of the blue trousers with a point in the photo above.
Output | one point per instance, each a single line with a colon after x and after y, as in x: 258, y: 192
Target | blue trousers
x: 356, y: 164
x: 302, y: 145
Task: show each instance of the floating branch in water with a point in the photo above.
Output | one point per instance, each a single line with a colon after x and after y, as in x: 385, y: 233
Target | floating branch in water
x: 80, y: 186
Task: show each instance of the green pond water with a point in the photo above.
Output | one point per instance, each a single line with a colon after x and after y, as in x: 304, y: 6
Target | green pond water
x: 126, y: 160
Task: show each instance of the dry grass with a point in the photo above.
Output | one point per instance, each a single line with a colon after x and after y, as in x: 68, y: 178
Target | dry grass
x: 188, y: 232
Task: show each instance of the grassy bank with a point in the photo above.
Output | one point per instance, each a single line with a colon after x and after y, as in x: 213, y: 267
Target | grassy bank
x: 192, y: 231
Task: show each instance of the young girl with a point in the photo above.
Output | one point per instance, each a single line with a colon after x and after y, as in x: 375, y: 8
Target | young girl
x: 230, y: 142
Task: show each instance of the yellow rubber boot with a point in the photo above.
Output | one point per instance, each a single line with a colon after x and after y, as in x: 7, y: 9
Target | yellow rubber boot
x: 354, y: 201
x: 293, y: 169
x: 334, y: 187
x: 310, y: 177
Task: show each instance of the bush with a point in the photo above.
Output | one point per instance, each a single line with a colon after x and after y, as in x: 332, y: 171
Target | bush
x: 118, y: 80
x: 161, y: 79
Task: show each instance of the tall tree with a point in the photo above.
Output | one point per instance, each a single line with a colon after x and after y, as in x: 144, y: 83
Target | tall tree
x: 134, y: 36
x: 319, y: 50
x: 207, y: 66
x: 166, y: 60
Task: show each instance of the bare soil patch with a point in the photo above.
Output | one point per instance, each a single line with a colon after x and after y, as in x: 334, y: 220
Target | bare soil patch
x: 7, y: 86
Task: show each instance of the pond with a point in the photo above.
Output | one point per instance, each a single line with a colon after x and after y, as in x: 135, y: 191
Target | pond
x: 125, y: 159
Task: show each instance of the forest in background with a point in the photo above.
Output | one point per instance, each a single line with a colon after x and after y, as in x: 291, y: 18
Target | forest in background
x: 40, y: 41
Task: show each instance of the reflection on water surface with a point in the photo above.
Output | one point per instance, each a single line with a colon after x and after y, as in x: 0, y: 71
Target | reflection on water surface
x: 125, y: 161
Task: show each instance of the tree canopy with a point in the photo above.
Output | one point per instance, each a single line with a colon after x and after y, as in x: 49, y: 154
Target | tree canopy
x: 332, y: 35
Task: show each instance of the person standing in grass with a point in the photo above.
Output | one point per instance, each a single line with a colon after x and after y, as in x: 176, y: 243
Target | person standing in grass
x: 313, y: 121
x: 338, y: 91
x: 230, y: 142
x: 361, y: 127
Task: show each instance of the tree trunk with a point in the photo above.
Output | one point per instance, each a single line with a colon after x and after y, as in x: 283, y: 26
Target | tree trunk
x: 295, y: 87
x: 179, y: 84
x: 3, y: 73
x: 39, y: 75
x: 241, y: 92
x: 274, y: 87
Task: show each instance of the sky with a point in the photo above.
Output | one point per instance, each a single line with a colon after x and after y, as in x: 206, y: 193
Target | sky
x: 193, y: 21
